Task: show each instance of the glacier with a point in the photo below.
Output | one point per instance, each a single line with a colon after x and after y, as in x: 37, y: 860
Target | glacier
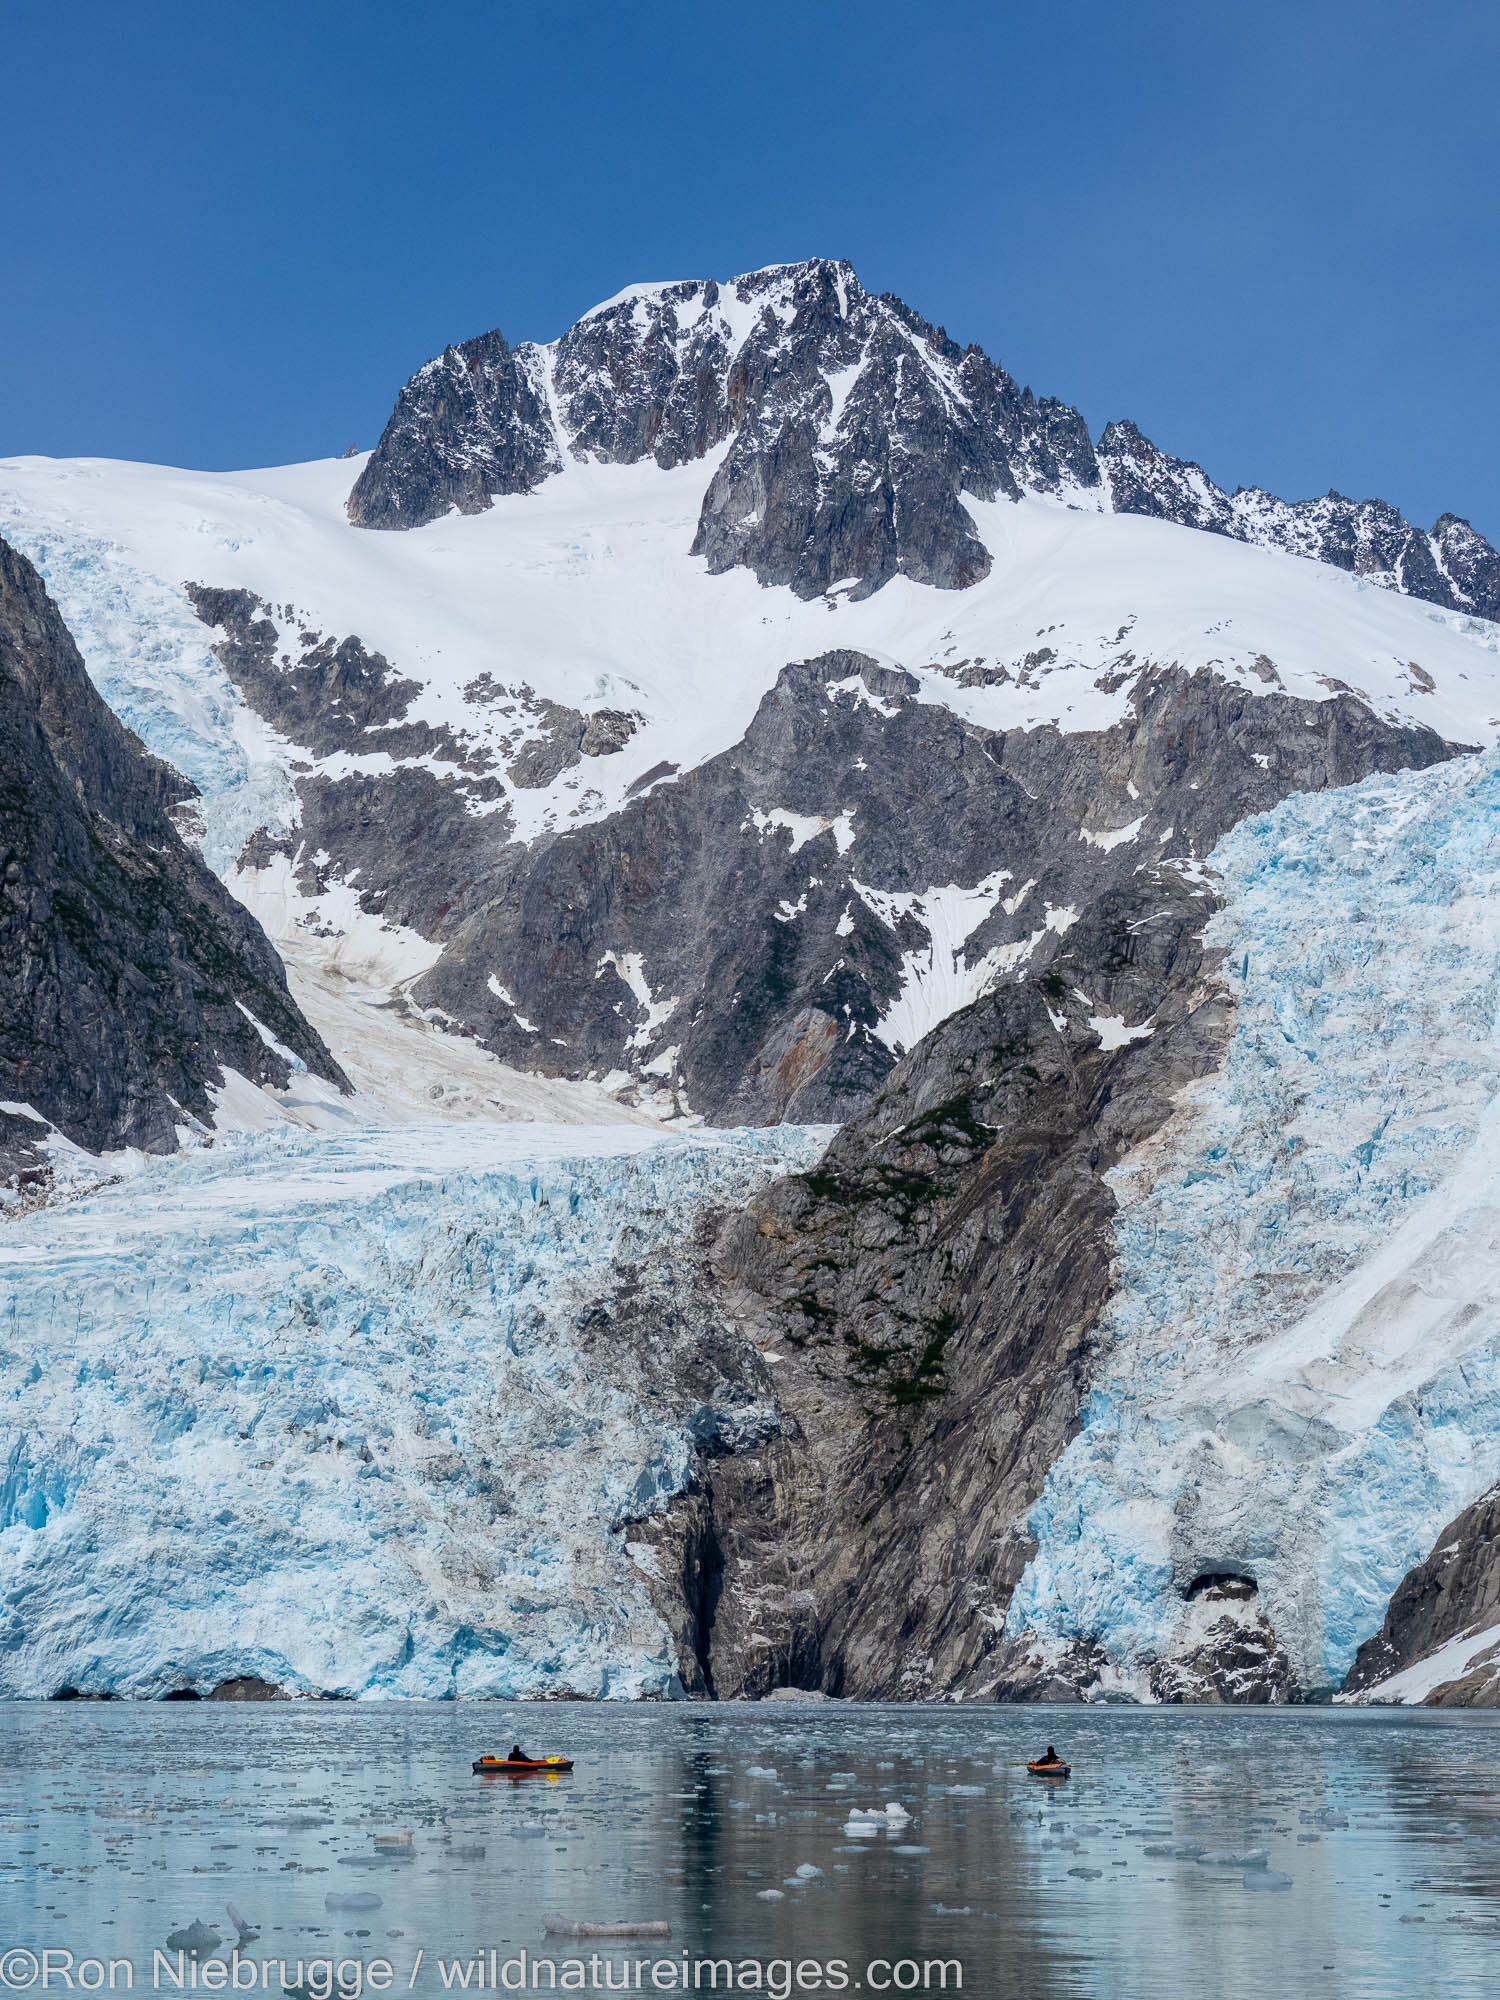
x: 1298, y: 1375
x: 152, y: 659
x: 317, y: 1407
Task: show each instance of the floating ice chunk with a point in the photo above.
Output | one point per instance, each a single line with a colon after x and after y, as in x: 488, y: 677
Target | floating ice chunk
x: 623, y: 1927
x: 770, y: 1895
x: 1267, y: 1878
x: 359, y: 1899
x: 195, y: 1937
x: 247, y: 1931
x: 808, y: 1871
x: 909, y: 1848
x: 1223, y: 1857
x: 760, y: 1770
x: 1088, y: 1874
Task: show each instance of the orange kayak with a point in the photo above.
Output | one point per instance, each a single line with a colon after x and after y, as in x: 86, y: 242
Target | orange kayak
x: 1057, y: 1770
x: 529, y: 1767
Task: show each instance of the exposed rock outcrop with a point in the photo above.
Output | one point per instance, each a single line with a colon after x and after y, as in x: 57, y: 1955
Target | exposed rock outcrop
x: 1452, y: 1595
x: 929, y: 1293
x: 762, y: 937
x: 853, y: 426
x: 469, y: 425
x: 129, y: 977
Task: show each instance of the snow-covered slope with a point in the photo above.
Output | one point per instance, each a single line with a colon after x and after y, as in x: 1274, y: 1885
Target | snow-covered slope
x: 586, y: 592
x: 583, y: 600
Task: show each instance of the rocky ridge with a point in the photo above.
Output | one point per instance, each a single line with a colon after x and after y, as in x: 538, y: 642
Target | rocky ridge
x: 850, y: 425
x: 846, y: 431
x: 1453, y: 565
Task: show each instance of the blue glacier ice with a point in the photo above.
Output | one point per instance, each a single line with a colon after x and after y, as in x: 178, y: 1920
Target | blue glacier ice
x: 152, y: 660
x: 1299, y: 1367
x: 317, y: 1407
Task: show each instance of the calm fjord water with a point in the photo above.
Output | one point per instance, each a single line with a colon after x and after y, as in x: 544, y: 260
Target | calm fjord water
x: 122, y: 1823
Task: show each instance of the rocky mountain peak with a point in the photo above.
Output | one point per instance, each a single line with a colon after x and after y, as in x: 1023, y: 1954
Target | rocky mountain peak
x: 846, y: 433
x: 852, y: 426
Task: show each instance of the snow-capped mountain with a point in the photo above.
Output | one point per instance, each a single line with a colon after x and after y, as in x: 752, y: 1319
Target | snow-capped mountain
x: 856, y: 432
x: 630, y: 564
x: 751, y: 707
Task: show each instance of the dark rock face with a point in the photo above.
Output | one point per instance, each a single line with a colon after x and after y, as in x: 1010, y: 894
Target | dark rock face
x: 858, y: 428
x: 647, y: 377
x: 1143, y: 480
x: 854, y: 429
x: 1453, y: 566
x: 325, y: 695
x: 744, y: 933
x: 1454, y: 1592
x: 127, y: 972
x: 469, y: 425
x: 931, y: 1289
x: 1238, y: 1662
x: 1470, y: 564
x: 246, y: 1687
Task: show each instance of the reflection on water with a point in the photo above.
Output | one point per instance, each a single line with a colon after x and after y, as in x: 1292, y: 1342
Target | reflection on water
x: 124, y: 1824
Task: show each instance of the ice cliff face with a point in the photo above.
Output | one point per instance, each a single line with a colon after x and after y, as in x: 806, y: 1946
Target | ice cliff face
x: 364, y: 1414
x: 1298, y: 1378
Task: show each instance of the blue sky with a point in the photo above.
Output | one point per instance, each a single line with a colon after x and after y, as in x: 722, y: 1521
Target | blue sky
x: 1269, y: 233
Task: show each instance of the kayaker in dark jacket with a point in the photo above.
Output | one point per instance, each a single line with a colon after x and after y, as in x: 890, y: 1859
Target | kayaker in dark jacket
x: 518, y: 1755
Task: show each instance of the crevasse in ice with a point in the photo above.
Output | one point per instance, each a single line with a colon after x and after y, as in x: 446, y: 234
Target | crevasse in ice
x: 1299, y: 1374
x: 318, y: 1408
